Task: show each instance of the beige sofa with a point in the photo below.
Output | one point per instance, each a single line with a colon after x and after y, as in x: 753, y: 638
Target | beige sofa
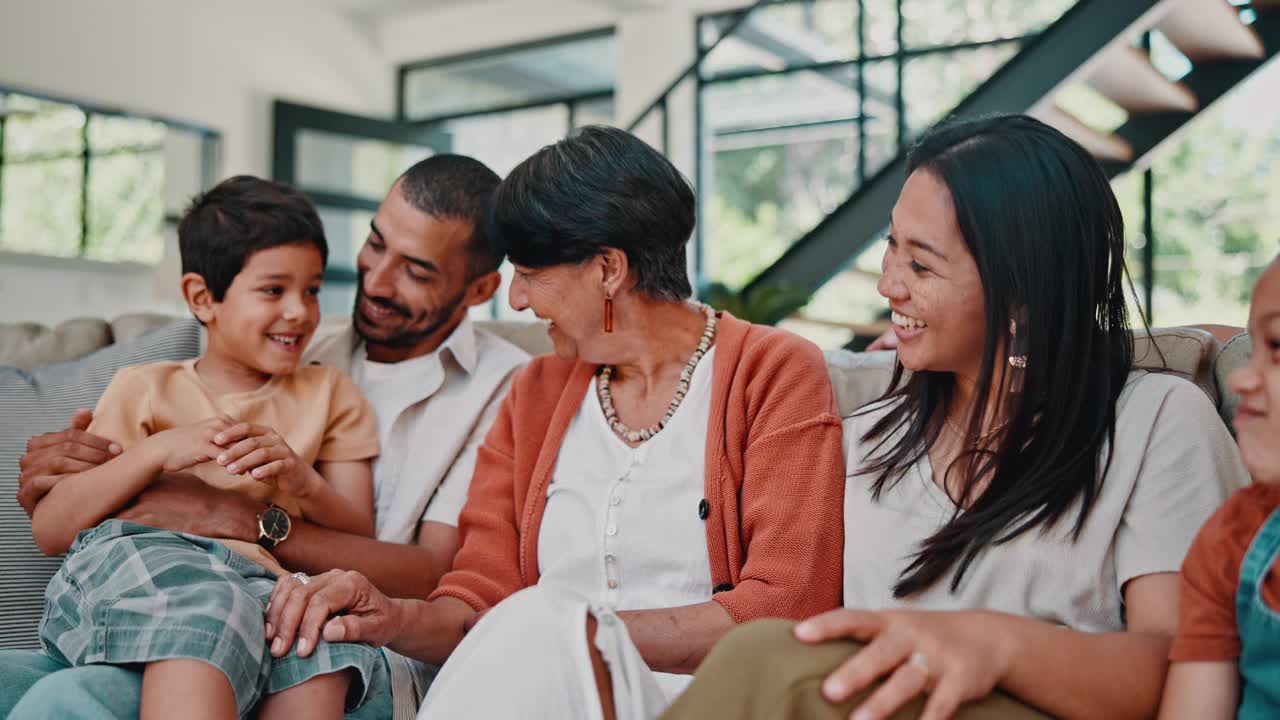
x: 857, y: 377
x: 37, y: 364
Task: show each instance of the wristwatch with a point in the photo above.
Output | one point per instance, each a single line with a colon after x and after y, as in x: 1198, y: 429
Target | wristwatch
x: 273, y: 526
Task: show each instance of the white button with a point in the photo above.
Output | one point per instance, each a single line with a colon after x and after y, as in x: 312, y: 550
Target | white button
x: 610, y: 557
x: 613, y: 584
x: 615, y: 500
x: 611, y: 530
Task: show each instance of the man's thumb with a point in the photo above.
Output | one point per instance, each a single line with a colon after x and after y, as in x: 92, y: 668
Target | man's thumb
x: 81, y: 419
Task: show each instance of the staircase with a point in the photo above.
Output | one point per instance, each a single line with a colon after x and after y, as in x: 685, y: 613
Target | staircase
x: 1098, y: 44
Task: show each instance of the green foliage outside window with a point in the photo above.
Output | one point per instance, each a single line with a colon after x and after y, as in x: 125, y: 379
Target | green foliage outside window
x: 1215, y: 215
x: 80, y: 184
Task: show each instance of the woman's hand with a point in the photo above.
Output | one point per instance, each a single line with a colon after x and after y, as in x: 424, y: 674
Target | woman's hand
x: 953, y: 657
x: 303, y: 610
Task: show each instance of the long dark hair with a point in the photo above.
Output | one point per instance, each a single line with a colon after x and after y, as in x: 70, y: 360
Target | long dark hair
x: 1038, y: 215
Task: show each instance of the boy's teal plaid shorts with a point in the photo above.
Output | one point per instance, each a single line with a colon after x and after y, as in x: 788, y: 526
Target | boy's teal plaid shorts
x: 131, y: 594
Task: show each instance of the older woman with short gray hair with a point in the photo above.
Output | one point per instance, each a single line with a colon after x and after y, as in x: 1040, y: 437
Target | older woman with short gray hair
x: 669, y: 472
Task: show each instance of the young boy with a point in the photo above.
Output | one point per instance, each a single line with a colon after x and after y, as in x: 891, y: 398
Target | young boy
x: 1226, y: 655
x: 242, y: 417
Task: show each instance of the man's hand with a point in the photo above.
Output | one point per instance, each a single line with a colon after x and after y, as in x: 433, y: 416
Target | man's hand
x: 183, y: 503
x: 52, y: 456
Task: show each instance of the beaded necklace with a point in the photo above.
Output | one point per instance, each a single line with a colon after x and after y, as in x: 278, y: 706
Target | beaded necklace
x: 686, y: 376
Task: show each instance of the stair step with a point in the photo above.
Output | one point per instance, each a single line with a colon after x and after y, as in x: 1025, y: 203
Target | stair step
x: 1127, y: 77
x: 1103, y: 146
x: 1208, y: 30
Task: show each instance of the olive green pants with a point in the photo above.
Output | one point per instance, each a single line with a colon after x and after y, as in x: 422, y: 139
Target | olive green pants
x: 761, y: 671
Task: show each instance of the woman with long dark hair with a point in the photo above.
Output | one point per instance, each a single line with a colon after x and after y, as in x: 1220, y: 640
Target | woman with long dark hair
x: 1018, y: 505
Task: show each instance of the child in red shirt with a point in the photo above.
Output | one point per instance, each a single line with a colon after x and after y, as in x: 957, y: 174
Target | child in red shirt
x: 1226, y: 655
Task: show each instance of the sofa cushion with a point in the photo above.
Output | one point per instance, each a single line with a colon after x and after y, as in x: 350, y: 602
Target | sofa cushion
x: 1233, y: 356
x: 1187, y: 352
x: 42, y: 401
x: 531, y: 337
x: 31, y: 345
x: 860, y: 378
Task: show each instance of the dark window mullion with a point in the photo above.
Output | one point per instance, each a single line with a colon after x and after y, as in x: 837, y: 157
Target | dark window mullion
x: 1149, y: 248
x: 1149, y: 224
x: 2, y: 119
x: 900, y: 96
x: 666, y: 127
x: 699, y: 237
x: 84, y: 188
x: 862, y: 93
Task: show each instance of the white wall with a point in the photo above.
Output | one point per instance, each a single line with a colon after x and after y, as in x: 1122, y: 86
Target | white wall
x: 217, y: 65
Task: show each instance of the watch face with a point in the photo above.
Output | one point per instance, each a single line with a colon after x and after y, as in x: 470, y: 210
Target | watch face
x: 275, y: 524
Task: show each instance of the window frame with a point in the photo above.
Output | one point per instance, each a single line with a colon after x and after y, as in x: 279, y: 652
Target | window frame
x: 570, y: 100
x: 210, y: 146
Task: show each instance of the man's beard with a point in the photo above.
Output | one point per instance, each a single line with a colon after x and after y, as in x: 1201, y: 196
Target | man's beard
x: 405, y: 337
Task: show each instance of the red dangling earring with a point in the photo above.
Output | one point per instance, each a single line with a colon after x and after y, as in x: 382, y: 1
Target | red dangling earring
x: 608, y: 314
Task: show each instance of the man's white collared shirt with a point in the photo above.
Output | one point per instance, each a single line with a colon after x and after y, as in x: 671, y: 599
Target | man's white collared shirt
x: 433, y: 413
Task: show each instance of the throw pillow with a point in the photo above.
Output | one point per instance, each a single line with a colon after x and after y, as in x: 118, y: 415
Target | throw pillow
x: 40, y: 401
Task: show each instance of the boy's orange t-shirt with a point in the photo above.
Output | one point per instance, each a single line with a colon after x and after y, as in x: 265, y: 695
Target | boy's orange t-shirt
x: 1207, y: 628
x: 318, y: 411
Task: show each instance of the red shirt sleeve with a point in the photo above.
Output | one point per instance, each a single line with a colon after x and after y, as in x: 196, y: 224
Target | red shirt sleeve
x: 1210, y: 574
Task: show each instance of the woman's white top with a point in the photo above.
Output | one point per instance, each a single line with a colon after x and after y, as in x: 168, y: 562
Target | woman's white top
x: 1174, y: 465
x: 624, y: 526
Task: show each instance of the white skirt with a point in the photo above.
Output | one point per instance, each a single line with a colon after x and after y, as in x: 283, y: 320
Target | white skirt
x: 528, y: 658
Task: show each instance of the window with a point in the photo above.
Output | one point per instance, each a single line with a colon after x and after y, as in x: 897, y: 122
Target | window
x: 500, y: 106
x: 79, y: 182
x: 563, y: 70
x: 1215, y: 223
x: 803, y: 100
x: 345, y: 163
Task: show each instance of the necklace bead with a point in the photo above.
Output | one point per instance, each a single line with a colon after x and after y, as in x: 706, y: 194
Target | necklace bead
x: 682, y: 387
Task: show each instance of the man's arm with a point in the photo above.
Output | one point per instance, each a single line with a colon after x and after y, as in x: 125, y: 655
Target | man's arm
x: 407, y: 571
x: 400, y: 571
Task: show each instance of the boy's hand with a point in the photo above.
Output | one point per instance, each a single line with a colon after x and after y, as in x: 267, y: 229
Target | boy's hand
x: 261, y: 453
x: 184, y: 447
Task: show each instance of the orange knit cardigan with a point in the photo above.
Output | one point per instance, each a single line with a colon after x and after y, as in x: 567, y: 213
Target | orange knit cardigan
x: 774, y: 478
